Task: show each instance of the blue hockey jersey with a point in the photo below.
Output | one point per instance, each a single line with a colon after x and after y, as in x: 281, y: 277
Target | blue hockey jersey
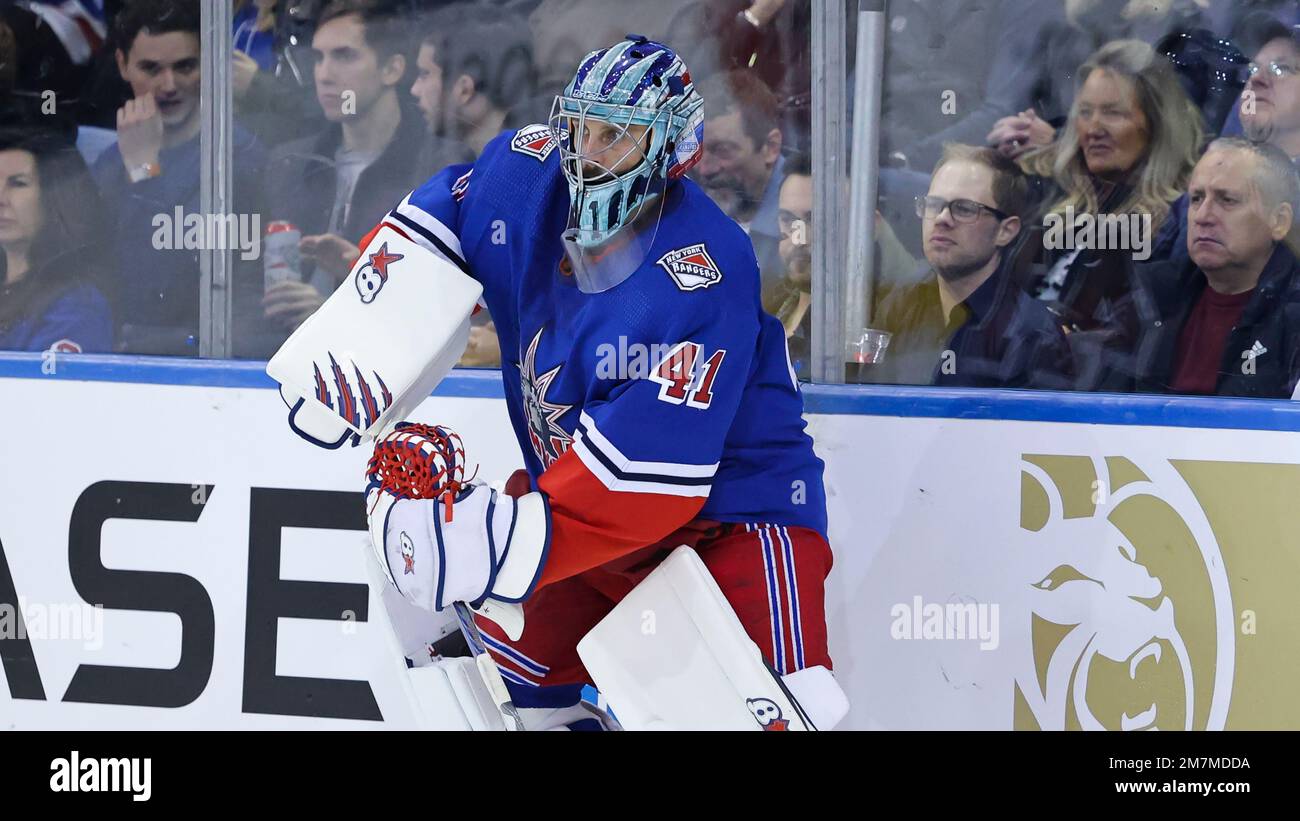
x: 78, y: 320
x: 666, y: 399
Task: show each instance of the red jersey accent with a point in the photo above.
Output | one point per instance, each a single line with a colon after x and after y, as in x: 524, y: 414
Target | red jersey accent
x: 592, y: 525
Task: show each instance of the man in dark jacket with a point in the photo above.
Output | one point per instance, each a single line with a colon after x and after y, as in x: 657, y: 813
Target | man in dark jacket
x: 335, y: 185
x: 1226, y: 321
x: 967, y: 324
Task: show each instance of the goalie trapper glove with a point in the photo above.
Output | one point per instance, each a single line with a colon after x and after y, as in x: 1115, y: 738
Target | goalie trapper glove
x: 469, y: 546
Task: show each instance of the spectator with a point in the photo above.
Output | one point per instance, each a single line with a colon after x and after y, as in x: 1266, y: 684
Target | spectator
x: 1212, y: 71
x: 57, y: 42
x: 770, y: 37
x: 254, y: 35
x: 1078, y: 30
x: 742, y: 168
x: 1226, y: 320
x: 104, y: 91
x: 474, y: 79
x: 1128, y: 148
x: 335, y: 185
x: 790, y: 298
x: 1273, y: 93
x: 153, y: 172
x: 269, y: 97
x: 1237, y: 19
x: 939, y: 87
x: 51, y: 233
x: 474, y: 66
x: 563, y: 31
x: 966, y: 324
x: 45, y: 57
x: 1270, y: 112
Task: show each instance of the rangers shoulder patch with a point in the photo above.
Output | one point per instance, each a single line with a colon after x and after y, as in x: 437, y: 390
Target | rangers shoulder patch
x: 535, y: 141
x: 461, y: 185
x: 691, y: 267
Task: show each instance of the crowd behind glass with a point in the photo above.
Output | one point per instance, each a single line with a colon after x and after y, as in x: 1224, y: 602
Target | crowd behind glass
x: 1073, y: 194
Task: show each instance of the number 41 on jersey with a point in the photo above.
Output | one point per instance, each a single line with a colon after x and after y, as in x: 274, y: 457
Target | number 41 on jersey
x: 686, y: 377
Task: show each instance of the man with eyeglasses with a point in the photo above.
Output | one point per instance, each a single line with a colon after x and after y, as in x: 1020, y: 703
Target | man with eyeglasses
x: 1270, y: 106
x: 1270, y: 113
x: 966, y: 323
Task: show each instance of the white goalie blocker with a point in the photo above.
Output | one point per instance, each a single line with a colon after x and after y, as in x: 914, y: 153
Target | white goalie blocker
x: 379, y: 345
x: 672, y: 655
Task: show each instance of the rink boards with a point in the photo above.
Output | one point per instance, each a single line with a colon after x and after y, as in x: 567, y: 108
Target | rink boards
x: 1002, y: 559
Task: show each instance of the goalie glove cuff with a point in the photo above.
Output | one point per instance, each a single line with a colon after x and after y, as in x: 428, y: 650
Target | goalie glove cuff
x: 520, y: 563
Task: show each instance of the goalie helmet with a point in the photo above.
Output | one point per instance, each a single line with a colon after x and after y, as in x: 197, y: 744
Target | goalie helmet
x: 636, y: 82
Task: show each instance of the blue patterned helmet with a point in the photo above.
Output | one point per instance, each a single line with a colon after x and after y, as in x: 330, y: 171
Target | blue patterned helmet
x: 635, y: 82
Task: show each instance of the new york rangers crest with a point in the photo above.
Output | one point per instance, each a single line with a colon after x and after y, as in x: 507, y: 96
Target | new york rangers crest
x: 535, y: 141
x: 372, y: 276
x: 691, y: 267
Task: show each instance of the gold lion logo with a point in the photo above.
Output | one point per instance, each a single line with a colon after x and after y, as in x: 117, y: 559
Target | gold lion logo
x: 1129, y: 603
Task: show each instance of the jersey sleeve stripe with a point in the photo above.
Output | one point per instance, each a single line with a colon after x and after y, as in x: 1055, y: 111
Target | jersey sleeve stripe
x: 429, y: 240
x: 439, y: 236
x: 603, y: 470
x: 624, y: 466
x: 429, y: 222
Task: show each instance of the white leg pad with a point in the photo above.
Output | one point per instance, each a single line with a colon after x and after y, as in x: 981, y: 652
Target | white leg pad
x: 672, y: 655
x: 443, y: 693
x: 449, y: 695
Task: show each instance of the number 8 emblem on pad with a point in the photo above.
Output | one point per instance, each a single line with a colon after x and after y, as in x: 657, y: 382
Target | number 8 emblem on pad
x: 372, y: 276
